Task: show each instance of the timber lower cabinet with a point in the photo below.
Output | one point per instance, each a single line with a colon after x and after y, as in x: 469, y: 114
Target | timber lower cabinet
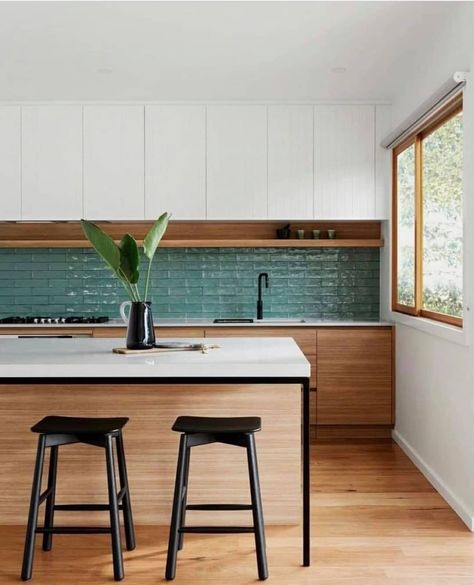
x: 351, y: 370
x: 354, y: 377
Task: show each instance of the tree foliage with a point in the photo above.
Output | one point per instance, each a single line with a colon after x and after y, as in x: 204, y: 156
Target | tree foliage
x: 442, y: 194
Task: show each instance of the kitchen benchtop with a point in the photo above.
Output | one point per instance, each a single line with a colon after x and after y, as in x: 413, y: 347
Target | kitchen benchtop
x: 81, y: 358
x: 205, y: 323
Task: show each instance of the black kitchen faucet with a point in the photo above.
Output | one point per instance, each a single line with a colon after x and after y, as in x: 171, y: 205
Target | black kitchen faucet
x: 261, y: 276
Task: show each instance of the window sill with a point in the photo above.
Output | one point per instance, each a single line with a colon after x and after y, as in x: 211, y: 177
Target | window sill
x: 448, y: 332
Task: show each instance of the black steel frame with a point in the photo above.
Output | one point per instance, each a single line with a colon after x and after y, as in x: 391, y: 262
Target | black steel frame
x: 117, y: 501
x: 177, y: 524
x: 305, y: 435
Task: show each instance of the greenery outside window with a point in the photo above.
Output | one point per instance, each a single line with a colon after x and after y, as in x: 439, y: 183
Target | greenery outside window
x: 427, y: 220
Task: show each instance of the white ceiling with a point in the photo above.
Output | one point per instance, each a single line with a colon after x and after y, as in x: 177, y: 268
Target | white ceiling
x: 212, y: 50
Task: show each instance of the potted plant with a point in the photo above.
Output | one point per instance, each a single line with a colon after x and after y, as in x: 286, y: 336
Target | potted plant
x: 124, y: 261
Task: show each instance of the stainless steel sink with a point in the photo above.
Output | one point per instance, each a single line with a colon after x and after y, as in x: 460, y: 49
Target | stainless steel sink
x: 279, y: 321
x: 240, y: 320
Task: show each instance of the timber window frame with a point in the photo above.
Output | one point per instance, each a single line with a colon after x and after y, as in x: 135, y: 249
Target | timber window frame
x: 453, y: 108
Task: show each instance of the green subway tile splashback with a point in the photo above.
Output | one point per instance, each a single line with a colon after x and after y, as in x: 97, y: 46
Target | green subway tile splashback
x: 329, y: 283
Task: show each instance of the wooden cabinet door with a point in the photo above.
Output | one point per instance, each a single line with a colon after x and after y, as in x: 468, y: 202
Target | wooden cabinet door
x: 175, y: 161
x: 114, y: 162
x: 10, y: 163
x: 344, y: 162
x: 305, y: 338
x: 354, y: 376
x: 237, y: 162
x: 290, y: 162
x: 51, y: 139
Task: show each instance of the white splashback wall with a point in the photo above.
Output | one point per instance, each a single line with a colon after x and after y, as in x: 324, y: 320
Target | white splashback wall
x: 435, y: 373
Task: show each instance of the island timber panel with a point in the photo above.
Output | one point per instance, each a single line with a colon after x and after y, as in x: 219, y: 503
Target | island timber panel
x: 218, y: 472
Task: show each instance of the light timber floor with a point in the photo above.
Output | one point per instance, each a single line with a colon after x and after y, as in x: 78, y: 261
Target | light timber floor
x: 375, y: 521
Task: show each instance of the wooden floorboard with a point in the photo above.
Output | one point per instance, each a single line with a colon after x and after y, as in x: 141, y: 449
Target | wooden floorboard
x: 376, y: 521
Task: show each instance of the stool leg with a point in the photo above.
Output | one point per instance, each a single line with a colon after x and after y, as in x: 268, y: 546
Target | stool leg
x: 27, y: 568
x: 127, y: 508
x: 177, y: 510
x: 257, y: 510
x: 185, y: 497
x: 50, y: 500
x: 114, y: 511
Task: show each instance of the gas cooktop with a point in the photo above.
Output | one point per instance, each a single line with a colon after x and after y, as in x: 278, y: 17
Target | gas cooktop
x: 72, y: 319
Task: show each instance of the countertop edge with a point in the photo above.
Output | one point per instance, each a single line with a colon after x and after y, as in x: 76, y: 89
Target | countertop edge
x: 204, y: 324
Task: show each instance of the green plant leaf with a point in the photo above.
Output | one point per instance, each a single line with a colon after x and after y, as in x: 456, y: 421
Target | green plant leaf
x: 103, y: 244
x: 153, y: 237
x: 129, y: 258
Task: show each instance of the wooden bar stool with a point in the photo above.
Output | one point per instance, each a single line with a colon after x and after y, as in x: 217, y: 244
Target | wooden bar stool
x: 203, y: 431
x: 99, y: 432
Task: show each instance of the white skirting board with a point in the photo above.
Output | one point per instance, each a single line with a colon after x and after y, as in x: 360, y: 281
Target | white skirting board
x: 456, y: 504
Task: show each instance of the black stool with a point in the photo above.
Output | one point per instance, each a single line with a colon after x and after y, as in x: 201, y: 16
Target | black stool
x: 202, y: 431
x: 64, y: 430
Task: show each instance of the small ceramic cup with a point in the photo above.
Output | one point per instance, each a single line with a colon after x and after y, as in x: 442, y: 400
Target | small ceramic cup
x: 300, y: 234
x: 316, y: 234
x: 332, y: 234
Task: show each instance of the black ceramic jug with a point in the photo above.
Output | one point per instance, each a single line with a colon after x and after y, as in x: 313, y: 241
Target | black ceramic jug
x: 140, y: 332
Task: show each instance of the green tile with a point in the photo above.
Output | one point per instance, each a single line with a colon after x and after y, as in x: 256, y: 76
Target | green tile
x: 332, y: 283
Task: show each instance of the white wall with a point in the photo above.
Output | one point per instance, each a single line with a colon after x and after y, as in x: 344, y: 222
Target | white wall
x: 435, y: 367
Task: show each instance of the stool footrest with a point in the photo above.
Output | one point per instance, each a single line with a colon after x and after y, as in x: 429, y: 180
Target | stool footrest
x: 44, y: 495
x: 216, y: 529
x: 214, y: 507
x: 74, y: 530
x: 83, y: 507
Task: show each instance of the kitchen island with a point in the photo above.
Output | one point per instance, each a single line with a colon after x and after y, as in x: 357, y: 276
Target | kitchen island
x: 267, y: 377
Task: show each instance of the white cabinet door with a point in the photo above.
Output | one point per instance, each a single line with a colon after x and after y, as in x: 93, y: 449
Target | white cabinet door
x: 344, y: 162
x: 51, y: 138
x: 290, y: 162
x: 383, y: 162
x: 237, y: 162
x: 175, y: 161
x: 10, y: 163
x: 114, y: 162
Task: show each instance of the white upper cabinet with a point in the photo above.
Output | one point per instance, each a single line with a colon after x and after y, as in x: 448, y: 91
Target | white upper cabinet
x: 383, y: 162
x: 114, y: 162
x: 290, y: 162
x: 10, y: 163
x: 175, y: 161
x: 237, y: 162
x: 51, y: 142
x: 344, y: 162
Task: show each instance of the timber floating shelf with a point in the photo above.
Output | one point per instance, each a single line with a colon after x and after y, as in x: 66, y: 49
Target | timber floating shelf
x: 267, y: 243
x: 196, y: 234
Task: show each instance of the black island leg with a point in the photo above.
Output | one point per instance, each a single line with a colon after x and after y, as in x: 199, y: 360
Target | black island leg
x: 306, y: 476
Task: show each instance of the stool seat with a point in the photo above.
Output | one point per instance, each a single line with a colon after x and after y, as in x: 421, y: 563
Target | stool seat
x: 73, y: 425
x: 205, y: 424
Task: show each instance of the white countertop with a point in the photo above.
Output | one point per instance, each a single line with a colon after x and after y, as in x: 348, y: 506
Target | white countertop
x: 79, y: 358
x: 210, y: 323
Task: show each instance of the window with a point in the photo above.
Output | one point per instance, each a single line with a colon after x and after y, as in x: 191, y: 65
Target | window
x: 427, y: 220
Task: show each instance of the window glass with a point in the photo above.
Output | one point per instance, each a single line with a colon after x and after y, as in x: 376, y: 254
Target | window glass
x: 406, y: 226
x: 442, y: 188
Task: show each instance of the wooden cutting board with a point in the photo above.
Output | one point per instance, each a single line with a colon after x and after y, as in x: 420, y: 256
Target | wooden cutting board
x: 125, y: 351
